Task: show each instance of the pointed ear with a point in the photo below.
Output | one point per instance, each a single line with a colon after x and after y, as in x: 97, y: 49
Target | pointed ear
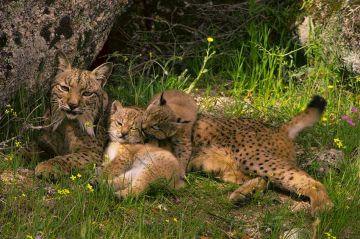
x: 62, y: 62
x: 103, y: 72
x: 115, y: 106
x: 162, y: 100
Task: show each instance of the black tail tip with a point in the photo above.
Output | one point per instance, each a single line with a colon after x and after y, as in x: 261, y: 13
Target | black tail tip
x: 318, y: 102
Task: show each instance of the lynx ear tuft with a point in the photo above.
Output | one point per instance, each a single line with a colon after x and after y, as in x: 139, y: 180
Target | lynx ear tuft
x: 62, y: 62
x: 162, y: 100
x: 103, y: 72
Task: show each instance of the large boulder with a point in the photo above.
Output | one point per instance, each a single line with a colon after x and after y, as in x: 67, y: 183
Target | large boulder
x: 338, y: 27
x: 31, y: 31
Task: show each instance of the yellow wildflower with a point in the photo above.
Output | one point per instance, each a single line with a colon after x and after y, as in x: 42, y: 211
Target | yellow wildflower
x: 9, y: 157
x: 167, y: 220
x: 9, y: 110
x: 329, y: 236
x: 64, y: 191
x: 73, y: 177
x: 210, y: 39
x: 175, y: 219
x: 17, y: 144
x: 90, y: 187
x: 78, y: 175
x: 339, y: 143
x: 23, y: 195
x: 29, y: 237
x: 88, y: 124
x: 324, y: 119
x: 330, y: 86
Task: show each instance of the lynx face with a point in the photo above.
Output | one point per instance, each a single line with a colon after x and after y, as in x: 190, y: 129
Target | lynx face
x: 125, y: 124
x: 78, y: 94
x: 159, y: 120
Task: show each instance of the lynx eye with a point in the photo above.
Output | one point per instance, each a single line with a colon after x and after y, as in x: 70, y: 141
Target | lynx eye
x: 87, y: 93
x: 64, y: 88
x: 119, y: 123
x: 155, y: 127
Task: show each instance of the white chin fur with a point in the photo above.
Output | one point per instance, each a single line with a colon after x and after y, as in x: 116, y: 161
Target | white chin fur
x: 90, y: 131
x: 71, y: 117
x: 56, y: 124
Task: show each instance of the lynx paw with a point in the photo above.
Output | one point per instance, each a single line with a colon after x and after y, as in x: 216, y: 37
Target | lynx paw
x: 237, y: 197
x: 320, y: 203
x: 179, y: 184
x: 123, y: 194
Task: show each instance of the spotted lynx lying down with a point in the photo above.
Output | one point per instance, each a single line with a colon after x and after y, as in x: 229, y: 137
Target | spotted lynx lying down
x: 130, y: 166
x: 75, y: 136
x: 250, y: 153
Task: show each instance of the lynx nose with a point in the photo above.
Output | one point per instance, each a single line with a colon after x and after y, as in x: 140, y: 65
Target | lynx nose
x: 73, y: 105
x: 73, y: 101
x: 123, y: 134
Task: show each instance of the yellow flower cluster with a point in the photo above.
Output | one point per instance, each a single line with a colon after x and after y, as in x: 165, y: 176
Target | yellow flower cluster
x: 210, y: 39
x: 18, y: 144
x: 74, y: 177
x: 10, y: 111
x: 339, y: 143
x: 329, y: 236
x: 90, y: 187
x: 64, y: 191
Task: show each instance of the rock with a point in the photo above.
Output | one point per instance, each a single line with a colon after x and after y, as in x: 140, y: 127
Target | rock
x: 32, y: 31
x: 338, y: 27
x: 295, y: 233
x: 325, y: 159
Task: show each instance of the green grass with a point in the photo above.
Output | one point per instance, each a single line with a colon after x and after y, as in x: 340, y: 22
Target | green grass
x: 265, y: 79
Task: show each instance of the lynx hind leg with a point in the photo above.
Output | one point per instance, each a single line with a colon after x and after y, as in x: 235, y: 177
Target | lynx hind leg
x: 147, y: 170
x: 214, y: 160
x: 299, y: 181
x: 60, y: 166
x: 247, y: 189
x: 287, y: 175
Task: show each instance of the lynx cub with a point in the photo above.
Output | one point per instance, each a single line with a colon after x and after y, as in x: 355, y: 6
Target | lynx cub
x: 74, y: 137
x: 130, y: 165
x: 248, y: 152
x: 171, y: 115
